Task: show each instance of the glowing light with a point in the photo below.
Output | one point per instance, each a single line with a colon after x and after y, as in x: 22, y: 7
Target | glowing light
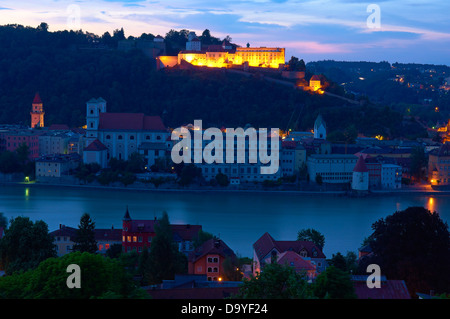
x: 220, y: 278
x: 27, y: 192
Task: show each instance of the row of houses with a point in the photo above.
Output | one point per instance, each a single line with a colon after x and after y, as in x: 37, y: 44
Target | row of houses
x: 207, y: 275
x: 118, y: 135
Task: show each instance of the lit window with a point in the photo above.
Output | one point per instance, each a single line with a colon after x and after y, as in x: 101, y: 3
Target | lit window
x: 134, y: 239
x: 100, y: 247
x: 106, y: 246
x: 129, y: 239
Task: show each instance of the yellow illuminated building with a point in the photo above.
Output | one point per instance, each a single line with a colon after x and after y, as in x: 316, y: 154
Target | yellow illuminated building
x: 220, y: 57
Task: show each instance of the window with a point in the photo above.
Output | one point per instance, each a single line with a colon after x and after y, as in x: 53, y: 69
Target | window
x: 132, y: 137
x: 119, y: 137
x: 106, y: 246
x: 100, y: 247
x: 215, y: 259
x: 108, y: 137
x: 210, y: 259
x: 215, y: 269
x: 140, y: 239
x: 134, y: 239
x: 129, y: 239
x: 209, y: 269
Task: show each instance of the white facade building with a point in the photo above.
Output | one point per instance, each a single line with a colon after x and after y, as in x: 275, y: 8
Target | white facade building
x: 125, y: 133
x: 391, y: 176
x: 333, y: 168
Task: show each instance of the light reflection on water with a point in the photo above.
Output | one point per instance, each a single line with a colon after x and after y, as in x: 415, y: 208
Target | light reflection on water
x: 239, y: 218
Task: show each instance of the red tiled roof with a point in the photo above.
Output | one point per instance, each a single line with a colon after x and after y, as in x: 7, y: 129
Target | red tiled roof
x: 295, y: 260
x: 266, y: 243
x: 390, y: 289
x: 360, y: 166
x: 108, y: 234
x: 37, y: 99
x: 130, y: 121
x: 96, y: 146
x: 186, y: 232
x: 64, y: 231
x: 211, y: 246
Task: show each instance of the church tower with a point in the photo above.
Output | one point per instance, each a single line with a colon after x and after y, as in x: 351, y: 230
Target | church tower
x: 93, y: 109
x: 320, y: 128
x: 37, y: 112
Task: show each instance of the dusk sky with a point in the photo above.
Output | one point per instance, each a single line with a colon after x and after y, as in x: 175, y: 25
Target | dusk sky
x: 410, y: 30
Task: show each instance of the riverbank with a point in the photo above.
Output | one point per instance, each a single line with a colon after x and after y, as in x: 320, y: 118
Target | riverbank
x: 200, y: 189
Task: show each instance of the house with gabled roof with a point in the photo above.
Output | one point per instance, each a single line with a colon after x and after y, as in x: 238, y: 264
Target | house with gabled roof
x: 208, y: 259
x: 305, y: 255
x: 137, y: 234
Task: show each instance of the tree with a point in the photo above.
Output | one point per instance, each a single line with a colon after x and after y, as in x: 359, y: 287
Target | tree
x: 164, y: 258
x: 202, y: 236
x: 100, y: 278
x: 136, y: 163
x: 413, y: 245
x: 114, y: 251
x: 319, y: 179
x: 333, y: 283
x: 222, y: 179
x: 232, y: 269
x: 128, y: 178
x: 338, y: 261
x: 25, y: 244
x: 418, y: 162
x: 275, y: 282
x: 3, y: 221
x: 295, y: 64
x: 8, y: 162
x: 313, y: 235
x: 85, y: 236
x: 189, y: 173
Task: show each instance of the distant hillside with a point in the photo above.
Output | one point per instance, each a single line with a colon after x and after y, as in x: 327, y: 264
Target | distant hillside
x: 69, y: 68
x: 412, y: 89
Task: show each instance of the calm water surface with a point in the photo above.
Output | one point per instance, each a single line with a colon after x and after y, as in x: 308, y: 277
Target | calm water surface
x: 238, y: 218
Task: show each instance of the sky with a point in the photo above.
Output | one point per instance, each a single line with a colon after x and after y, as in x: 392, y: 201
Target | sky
x: 409, y: 31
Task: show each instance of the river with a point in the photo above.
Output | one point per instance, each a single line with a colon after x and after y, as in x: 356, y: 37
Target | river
x: 237, y: 218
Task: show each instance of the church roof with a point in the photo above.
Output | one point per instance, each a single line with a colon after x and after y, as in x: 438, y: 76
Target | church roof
x: 360, y: 166
x: 96, y: 146
x: 320, y: 121
x: 130, y: 121
x: 37, y: 99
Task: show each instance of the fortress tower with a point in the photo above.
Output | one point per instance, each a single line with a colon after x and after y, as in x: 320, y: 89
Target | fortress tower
x: 37, y: 112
